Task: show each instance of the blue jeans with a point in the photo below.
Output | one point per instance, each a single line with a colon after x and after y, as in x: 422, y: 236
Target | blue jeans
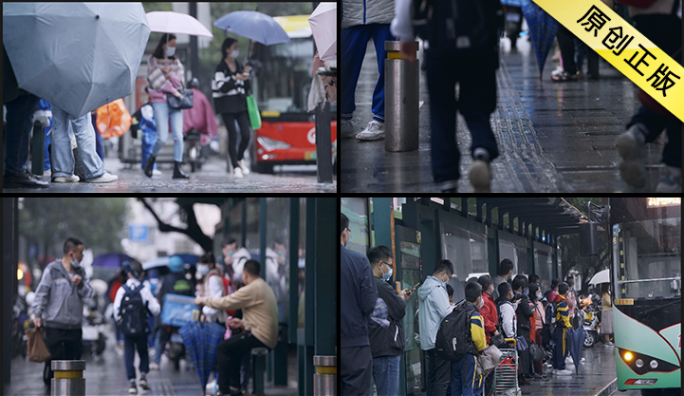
x: 157, y: 347
x: 98, y: 138
x: 19, y: 115
x: 130, y: 345
x: 354, y: 42
x: 476, y: 102
x: 386, y: 375
x: 464, y: 380
x: 63, y: 156
x: 162, y: 117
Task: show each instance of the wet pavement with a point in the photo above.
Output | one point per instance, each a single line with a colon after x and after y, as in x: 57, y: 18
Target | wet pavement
x: 107, y: 376
x: 553, y: 137
x: 212, y: 178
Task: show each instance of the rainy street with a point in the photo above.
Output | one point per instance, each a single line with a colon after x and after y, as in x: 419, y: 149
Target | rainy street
x: 552, y: 137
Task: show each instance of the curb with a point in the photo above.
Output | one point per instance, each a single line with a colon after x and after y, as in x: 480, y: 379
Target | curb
x: 608, y: 389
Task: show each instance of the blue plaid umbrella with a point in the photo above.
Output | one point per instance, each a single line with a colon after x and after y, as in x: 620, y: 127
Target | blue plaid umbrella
x: 200, y: 340
x: 575, y: 344
x: 543, y: 30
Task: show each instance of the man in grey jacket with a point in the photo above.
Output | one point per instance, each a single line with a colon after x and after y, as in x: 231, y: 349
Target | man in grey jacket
x: 58, y: 305
x: 434, y: 305
x: 361, y: 21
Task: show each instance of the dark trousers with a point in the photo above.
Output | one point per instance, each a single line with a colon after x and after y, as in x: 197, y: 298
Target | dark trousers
x: 229, y: 354
x: 538, y: 340
x: 63, y: 344
x: 559, y: 349
x: 130, y: 345
x: 18, y: 129
x: 237, y: 153
x: 356, y: 369
x: 665, y: 32
x: 476, y: 102
x: 438, y: 375
x: 566, y: 42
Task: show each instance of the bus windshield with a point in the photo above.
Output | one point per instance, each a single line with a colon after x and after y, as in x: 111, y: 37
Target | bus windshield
x: 647, y: 257
x: 284, y: 79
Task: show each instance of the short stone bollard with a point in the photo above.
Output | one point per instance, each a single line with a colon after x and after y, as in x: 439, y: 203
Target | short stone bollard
x: 68, y: 379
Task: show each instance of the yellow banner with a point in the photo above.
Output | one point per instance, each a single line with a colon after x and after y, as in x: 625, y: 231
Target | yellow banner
x: 624, y: 47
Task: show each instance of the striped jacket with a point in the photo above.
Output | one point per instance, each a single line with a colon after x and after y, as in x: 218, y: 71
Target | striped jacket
x: 158, y: 83
x: 229, y: 93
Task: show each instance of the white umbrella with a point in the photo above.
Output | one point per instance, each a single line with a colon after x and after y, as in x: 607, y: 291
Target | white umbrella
x: 323, y: 23
x: 600, y: 277
x: 175, y: 22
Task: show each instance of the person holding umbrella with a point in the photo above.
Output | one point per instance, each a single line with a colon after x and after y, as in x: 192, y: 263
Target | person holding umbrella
x: 165, y: 75
x: 230, y: 86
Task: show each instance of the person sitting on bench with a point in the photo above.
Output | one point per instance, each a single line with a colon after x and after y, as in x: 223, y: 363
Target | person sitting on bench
x: 260, y: 321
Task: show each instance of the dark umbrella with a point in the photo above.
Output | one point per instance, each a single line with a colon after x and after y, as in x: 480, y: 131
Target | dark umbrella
x: 111, y: 260
x: 575, y: 344
x: 200, y: 340
x: 543, y: 29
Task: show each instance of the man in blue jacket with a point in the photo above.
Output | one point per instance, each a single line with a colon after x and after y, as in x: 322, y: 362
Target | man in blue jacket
x: 359, y: 293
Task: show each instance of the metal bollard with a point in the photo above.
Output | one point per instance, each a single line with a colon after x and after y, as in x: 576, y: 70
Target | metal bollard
x: 401, y: 100
x: 325, y: 383
x: 68, y: 379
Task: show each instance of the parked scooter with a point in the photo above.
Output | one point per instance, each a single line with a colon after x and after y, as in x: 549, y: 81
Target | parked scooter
x: 176, y: 349
x: 94, y: 339
x: 193, y: 150
x: 20, y: 322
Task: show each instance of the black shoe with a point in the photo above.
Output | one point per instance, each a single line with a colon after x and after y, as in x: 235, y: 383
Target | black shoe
x: 178, y: 172
x: 23, y: 179
x: 149, y: 166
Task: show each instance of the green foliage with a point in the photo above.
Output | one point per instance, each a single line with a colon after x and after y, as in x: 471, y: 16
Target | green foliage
x: 98, y: 222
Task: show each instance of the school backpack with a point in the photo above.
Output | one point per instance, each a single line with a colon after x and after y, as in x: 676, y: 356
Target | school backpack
x: 133, y: 313
x: 468, y: 26
x: 453, y: 337
x: 228, y: 288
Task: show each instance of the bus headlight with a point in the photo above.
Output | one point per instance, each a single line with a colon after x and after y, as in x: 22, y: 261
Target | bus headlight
x: 639, y: 363
x: 628, y: 356
x: 654, y: 364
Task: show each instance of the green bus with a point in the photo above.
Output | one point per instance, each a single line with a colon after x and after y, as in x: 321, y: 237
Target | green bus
x: 646, y: 289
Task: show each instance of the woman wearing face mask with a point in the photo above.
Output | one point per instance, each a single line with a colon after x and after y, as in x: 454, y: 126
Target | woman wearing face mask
x: 387, y: 343
x: 165, y: 74
x: 540, y: 320
x: 230, y: 86
x: 213, y: 287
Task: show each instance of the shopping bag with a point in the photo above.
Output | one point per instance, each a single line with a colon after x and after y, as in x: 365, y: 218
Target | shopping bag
x: 113, y: 119
x: 253, y: 111
x: 37, y: 351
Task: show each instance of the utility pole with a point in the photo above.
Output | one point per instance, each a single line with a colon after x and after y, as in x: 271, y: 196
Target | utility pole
x: 194, y: 48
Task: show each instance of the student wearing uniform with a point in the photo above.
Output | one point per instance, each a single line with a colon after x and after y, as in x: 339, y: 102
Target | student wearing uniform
x: 464, y: 378
x: 562, y: 325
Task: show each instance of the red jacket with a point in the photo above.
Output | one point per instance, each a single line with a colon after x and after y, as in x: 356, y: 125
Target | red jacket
x: 488, y: 312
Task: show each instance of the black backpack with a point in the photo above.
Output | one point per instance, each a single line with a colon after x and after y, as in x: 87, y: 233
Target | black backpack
x: 133, y: 313
x: 453, y: 337
x: 468, y: 26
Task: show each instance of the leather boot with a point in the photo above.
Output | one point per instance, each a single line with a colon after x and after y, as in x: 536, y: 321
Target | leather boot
x: 149, y: 166
x: 178, y: 172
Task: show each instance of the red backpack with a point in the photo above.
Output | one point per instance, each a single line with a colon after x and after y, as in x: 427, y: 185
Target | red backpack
x: 228, y: 288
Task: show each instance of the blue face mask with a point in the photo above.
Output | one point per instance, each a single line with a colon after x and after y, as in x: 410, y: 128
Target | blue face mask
x: 388, y: 275
x: 280, y: 253
x: 75, y: 263
x: 231, y: 253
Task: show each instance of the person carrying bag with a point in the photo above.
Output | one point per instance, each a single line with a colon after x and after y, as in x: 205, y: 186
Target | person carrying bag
x: 37, y: 350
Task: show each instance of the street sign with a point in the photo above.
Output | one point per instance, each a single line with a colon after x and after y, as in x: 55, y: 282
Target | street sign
x: 137, y: 233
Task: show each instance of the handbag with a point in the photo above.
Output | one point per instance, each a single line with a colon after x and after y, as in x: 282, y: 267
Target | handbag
x: 498, y: 340
x: 536, y: 352
x: 35, y: 346
x: 185, y: 101
x: 522, y: 344
x: 253, y: 112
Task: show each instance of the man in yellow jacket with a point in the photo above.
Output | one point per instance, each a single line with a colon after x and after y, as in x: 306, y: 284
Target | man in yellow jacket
x: 464, y: 377
x: 260, y: 321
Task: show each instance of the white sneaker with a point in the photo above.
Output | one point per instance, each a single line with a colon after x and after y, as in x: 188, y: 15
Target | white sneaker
x: 480, y: 176
x: 66, y: 179
x: 568, y: 360
x: 237, y: 173
x: 562, y: 372
x: 374, y: 131
x: 670, y: 180
x: 154, y: 366
x: 348, y: 129
x: 105, y: 178
x: 244, y: 167
x: 631, y: 145
x: 156, y: 172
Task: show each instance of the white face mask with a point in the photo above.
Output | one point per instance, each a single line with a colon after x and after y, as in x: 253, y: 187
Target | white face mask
x: 235, y: 53
x: 481, y: 304
x: 170, y: 51
x: 202, y: 269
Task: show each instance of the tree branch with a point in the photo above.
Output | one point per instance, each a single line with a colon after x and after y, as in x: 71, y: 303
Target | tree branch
x: 194, y: 231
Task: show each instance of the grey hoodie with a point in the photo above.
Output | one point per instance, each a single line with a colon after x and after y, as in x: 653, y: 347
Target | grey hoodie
x: 433, y: 307
x: 58, y: 302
